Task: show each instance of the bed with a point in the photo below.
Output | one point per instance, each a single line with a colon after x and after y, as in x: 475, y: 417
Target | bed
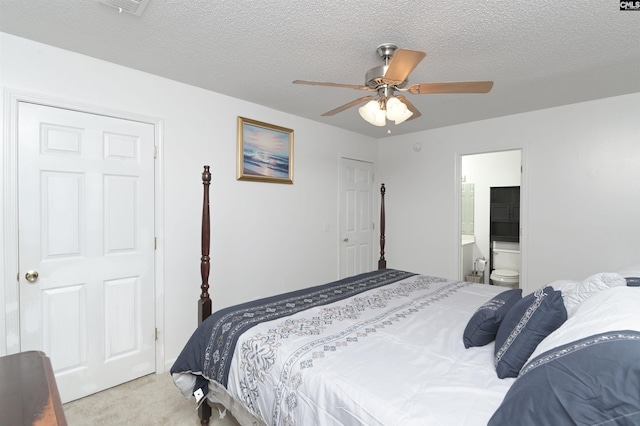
x: 391, y: 347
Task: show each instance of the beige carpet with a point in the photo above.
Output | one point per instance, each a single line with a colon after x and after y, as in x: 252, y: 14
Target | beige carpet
x: 151, y: 400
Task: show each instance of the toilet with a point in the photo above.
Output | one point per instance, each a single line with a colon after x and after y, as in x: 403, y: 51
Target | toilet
x: 506, y: 264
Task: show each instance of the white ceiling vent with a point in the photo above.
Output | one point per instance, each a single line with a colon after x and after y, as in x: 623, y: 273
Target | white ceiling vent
x: 134, y: 7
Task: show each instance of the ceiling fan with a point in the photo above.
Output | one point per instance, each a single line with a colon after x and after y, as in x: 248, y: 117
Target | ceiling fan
x: 385, y: 80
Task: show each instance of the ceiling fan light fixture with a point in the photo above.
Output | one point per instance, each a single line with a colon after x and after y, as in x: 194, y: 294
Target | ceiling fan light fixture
x: 407, y: 114
x: 372, y: 113
x: 397, y: 111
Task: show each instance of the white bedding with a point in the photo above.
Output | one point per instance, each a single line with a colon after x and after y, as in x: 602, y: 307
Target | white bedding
x: 390, y: 356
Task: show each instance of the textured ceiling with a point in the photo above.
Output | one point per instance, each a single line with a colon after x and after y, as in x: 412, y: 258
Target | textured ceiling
x: 540, y: 54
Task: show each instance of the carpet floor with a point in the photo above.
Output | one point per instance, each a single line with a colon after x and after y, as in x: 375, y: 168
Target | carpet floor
x: 151, y: 400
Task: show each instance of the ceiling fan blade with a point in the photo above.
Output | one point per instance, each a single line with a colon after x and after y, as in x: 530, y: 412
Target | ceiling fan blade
x: 347, y: 106
x: 402, y: 63
x: 410, y: 106
x: 451, y: 87
x: 320, y: 83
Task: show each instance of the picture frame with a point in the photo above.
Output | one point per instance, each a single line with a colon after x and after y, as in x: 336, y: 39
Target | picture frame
x: 265, y: 152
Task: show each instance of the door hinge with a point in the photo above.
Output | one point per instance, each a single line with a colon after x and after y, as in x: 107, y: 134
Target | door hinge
x: 155, y: 151
x: 156, y: 334
x: 155, y: 243
x: 373, y: 225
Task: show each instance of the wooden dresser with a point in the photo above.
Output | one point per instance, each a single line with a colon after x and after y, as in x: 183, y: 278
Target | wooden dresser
x: 28, y: 392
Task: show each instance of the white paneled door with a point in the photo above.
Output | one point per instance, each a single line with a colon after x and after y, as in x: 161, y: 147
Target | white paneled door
x: 86, y: 246
x: 356, y: 220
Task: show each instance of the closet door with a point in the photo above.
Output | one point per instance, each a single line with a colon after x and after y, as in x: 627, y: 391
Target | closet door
x: 86, y: 238
x: 356, y: 217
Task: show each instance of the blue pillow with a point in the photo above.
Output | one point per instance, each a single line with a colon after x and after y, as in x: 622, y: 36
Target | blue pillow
x: 594, y: 380
x: 532, y: 319
x: 633, y: 281
x: 483, y: 325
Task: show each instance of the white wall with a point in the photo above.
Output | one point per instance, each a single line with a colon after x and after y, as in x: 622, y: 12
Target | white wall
x: 580, y: 190
x: 266, y: 238
x: 582, y: 184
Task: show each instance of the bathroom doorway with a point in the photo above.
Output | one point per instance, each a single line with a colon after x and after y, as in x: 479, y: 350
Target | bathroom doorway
x: 478, y: 174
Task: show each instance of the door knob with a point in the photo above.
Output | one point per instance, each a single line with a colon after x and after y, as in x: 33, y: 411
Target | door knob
x: 31, y: 276
x: 346, y: 239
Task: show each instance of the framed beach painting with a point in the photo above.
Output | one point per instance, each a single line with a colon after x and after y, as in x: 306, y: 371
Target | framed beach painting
x: 265, y: 152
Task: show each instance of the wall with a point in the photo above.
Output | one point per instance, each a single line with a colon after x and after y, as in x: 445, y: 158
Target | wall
x: 580, y: 190
x: 484, y: 171
x: 581, y: 185
x: 266, y: 238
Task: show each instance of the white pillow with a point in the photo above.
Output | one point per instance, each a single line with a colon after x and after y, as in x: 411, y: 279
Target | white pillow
x: 574, y: 296
x: 630, y: 270
x: 565, y: 286
x: 609, y: 310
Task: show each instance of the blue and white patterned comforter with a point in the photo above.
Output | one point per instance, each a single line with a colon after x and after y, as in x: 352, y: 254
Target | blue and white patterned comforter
x: 386, y: 352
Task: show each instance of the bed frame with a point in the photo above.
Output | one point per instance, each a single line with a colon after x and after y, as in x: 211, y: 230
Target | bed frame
x: 204, y: 303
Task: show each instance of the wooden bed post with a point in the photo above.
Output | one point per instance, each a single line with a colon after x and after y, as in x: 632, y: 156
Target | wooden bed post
x: 204, y: 303
x: 382, y: 263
